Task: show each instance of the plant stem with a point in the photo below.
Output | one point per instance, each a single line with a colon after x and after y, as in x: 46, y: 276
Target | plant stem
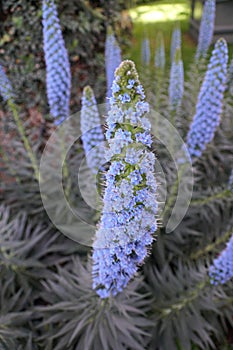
x: 65, y: 166
x: 177, y: 307
x: 212, y: 246
x: 22, y: 133
x: 220, y: 195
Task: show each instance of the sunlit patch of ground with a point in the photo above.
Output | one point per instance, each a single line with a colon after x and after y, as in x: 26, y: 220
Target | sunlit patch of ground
x: 161, y: 12
x: 161, y: 16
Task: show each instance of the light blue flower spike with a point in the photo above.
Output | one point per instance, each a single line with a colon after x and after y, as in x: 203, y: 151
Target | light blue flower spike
x: 206, y: 28
x: 92, y: 134
x: 128, y: 221
x: 210, y: 101
x: 221, y: 271
x: 58, y: 76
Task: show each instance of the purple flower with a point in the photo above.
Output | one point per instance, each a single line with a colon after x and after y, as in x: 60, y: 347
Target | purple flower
x: 131, y: 83
x: 92, y: 134
x: 128, y: 220
x: 175, y: 42
x: 210, y: 101
x: 176, y: 86
x: 112, y: 61
x: 221, y: 270
x: 6, y: 90
x: 145, y: 51
x: 124, y: 98
x: 160, y: 58
x: 58, y: 76
x: 206, y: 28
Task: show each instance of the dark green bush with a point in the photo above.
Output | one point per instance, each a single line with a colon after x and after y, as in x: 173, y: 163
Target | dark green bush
x: 84, y: 28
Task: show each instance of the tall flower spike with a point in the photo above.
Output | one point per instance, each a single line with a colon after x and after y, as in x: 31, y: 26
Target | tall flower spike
x: 206, y: 28
x: 112, y: 59
x: 210, y: 101
x: 176, y: 41
x: 222, y: 269
x: 128, y: 220
x: 58, y: 76
x: 145, y: 51
x: 6, y: 90
x: 160, y: 59
x: 92, y: 134
x: 176, y: 85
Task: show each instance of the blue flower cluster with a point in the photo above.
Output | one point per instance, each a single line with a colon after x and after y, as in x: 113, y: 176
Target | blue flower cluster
x: 6, y: 90
x: 58, y: 76
x: 230, y: 182
x: 176, y: 84
x: 160, y: 59
x: 221, y: 270
x: 145, y: 51
x: 210, y: 100
x: 112, y: 59
x: 92, y: 134
x: 176, y: 41
x: 128, y: 221
x: 206, y: 28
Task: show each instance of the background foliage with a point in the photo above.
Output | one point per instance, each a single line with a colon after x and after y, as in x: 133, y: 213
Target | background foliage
x: 84, y: 26
x: 46, y: 296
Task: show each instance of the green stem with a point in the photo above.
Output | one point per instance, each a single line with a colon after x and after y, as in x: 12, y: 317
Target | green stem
x: 220, y: 195
x: 212, y: 246
x: 22, y: 133
x: 65, y: 166
x: 99, y: 204
x: 177, y: 307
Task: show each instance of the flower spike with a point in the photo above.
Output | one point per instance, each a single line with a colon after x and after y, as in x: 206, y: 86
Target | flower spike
x: 92, y: 134
x: 176, y: 86
x: 222, y: 269
x: 6, y: 90
x: 206, y: 28
x: 210, y: 101
x: 58, y: 76
x: 112, y: 59
x: 128, y: 222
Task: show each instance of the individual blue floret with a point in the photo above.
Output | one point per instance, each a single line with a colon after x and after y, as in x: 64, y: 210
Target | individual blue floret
x: 206, y: 28
x: 58, y: 76
x: 160, y: 58
x: 112, y: 60
x: 6, y: 90
x: 92, y: 134
x: 176, y: 84
x: 128, y: 221
x: 175, y: 41
x: 210, y: 101
x: 221, y: 271
x: 145, y: 51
